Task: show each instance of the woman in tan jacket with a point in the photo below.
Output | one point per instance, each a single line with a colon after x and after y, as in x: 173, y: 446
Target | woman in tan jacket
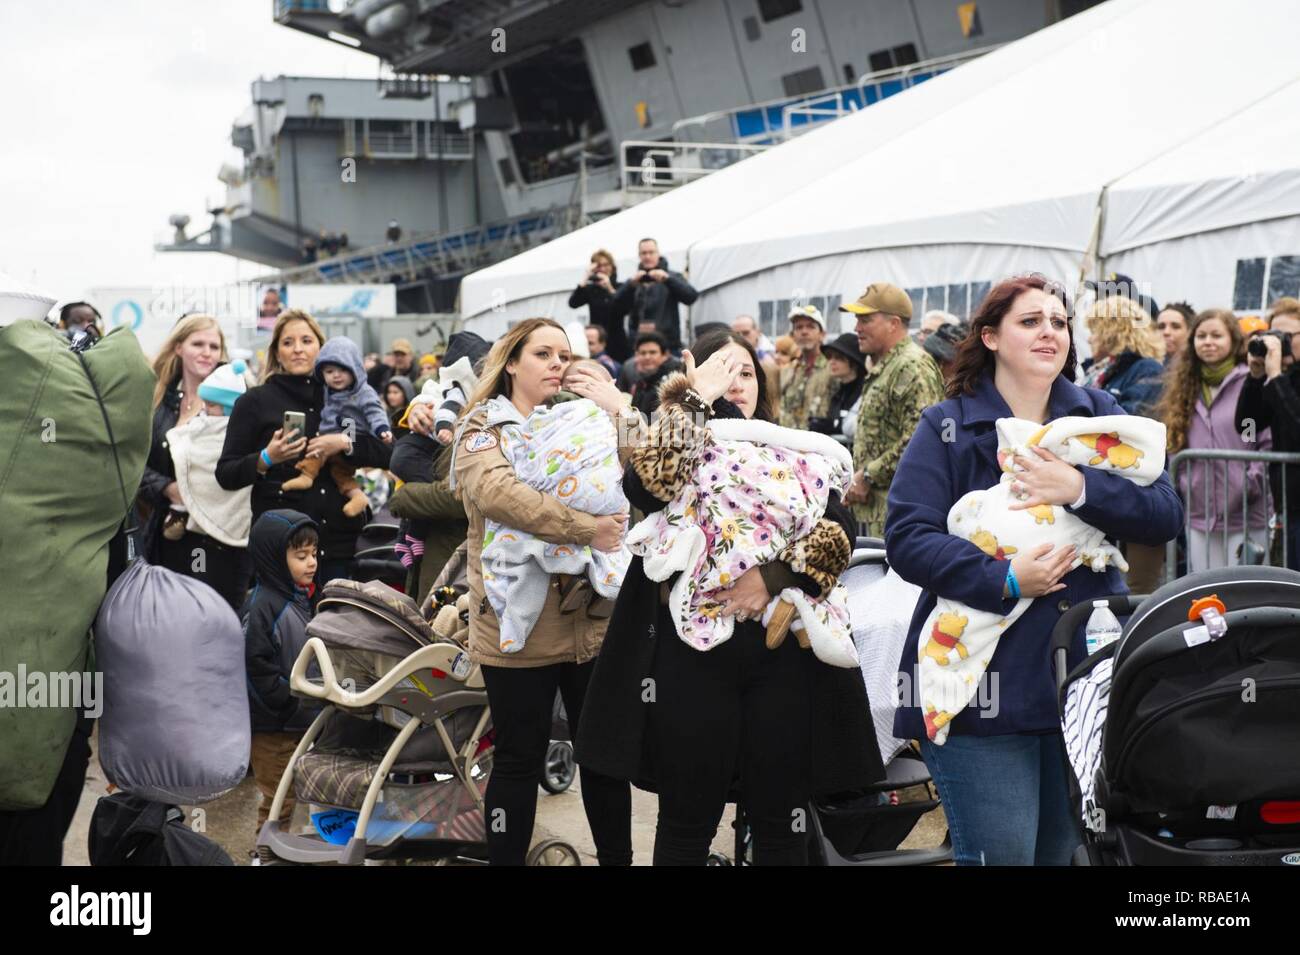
x: 525, y: 366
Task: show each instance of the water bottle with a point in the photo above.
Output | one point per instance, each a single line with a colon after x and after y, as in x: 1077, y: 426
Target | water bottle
x: 1102, y: 627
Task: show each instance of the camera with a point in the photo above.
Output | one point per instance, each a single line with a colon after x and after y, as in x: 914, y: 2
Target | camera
x: 1257, y: 349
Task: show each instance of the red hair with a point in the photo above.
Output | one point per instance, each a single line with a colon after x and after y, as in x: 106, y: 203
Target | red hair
x: 974, y: 360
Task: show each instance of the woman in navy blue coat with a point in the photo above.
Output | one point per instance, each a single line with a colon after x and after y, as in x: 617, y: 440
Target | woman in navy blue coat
x: 1002, y: 772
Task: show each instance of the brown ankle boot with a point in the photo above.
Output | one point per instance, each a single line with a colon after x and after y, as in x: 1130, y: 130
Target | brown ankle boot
x: 779, y: 625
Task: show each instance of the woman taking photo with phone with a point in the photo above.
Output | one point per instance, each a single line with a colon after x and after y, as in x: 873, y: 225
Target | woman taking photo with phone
x: 596, y: 291
x: 522, y: 371
x: 1002, y: 771
x: 258, y: 452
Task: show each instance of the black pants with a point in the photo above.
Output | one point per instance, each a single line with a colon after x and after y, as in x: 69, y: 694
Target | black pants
x: 35, y: 836
x: 225, y: 569
x: 738, y: 712
x: 522, y: 699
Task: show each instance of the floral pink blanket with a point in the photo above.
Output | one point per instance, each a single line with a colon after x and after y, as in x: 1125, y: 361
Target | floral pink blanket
x: 756, y: 488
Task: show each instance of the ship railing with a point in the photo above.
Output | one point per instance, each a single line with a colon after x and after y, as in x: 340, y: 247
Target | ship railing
x: 650, y: 167
x: 774, y: 121
x: 439, y: 254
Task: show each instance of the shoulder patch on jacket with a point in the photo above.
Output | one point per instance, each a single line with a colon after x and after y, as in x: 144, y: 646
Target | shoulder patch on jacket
x: 480, y: 441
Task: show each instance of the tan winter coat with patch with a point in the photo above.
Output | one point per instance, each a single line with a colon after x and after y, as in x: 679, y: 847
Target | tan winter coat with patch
x: 486, y: 484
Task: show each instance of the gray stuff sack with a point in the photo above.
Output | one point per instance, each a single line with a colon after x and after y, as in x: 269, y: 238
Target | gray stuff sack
x: 175, y: 726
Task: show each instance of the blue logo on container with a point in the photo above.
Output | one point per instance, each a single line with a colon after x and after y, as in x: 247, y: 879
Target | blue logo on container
x: 129, y: 306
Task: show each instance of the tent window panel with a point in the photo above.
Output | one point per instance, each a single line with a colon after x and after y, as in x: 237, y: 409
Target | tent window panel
x: 917, y: 295
x: 957, y: 299
x: 979, y: 291
x: 1284, y: 277
x: 1248, y: 288
x: 771, y: 10
x: 936, y: 297
x: 767, y: 318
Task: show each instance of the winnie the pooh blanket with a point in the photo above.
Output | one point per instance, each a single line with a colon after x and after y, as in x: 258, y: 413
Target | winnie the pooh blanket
x: 957, y: 642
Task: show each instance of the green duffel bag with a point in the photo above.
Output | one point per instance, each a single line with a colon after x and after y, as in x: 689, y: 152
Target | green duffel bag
x: 63, y: 495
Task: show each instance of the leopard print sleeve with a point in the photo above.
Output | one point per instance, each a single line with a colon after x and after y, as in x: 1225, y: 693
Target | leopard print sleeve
x: 664, y: 458
x: 822, y: 555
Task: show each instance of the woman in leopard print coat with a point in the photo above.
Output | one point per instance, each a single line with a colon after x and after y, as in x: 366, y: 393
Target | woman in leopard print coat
x: 689, y: 723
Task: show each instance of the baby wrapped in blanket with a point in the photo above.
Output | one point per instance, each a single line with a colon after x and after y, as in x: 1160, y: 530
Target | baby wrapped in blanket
x: 755, y: 489
x: 957, y: 642
x: 568, y: 450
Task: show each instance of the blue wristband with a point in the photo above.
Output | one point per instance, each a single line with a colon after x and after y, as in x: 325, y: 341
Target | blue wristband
x: 266, y: 459
x: 1013, y: 585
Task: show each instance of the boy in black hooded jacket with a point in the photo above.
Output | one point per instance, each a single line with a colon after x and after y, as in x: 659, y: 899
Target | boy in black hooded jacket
x: 283, y: 547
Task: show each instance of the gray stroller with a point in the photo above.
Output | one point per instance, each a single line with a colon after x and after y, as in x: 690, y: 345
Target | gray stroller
x: 396, y: 765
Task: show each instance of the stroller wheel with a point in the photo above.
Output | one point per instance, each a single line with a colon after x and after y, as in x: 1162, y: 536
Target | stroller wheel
x: 717, y: 859
x: 553, y: 852
x: 557, y: 776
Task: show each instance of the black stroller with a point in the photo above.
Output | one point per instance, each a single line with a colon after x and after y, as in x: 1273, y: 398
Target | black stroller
x: 865, y: 826
x: 1193, y: 734
x: 375, y: 558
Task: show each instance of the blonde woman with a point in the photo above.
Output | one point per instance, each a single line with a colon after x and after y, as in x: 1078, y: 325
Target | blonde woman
x: 1126, y: 357
x: 258, y: 453
x: 1200, y: 411
x: 1128, y: 363
x: 524, y: 370
x: 596, y: 291
x: 192, y: 351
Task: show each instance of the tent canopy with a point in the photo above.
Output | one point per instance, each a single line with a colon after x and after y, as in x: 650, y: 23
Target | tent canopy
x: 1151, y: 120
x: 1025, y: 159
x: 1244, y: 170
x: 686, y: 215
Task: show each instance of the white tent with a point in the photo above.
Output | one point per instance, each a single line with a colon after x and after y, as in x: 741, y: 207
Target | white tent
x: 1016, y: 177
x: 19, y: 301
x: 1124, y: 138
x: 538, y: 282
x: 1207, y: 221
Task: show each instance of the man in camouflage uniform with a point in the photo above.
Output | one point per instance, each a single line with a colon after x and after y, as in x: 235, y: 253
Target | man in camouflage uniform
x: 903, y: 382
x: 808, y: 394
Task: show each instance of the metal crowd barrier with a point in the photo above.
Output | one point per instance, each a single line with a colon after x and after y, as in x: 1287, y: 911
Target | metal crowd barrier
x: 1217, y: 485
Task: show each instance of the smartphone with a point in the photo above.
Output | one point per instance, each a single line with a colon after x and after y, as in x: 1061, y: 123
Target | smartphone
x: 294, y: 421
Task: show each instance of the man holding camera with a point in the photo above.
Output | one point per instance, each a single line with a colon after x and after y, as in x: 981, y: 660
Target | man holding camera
x: 1270, y: 398
x: 652, y: 296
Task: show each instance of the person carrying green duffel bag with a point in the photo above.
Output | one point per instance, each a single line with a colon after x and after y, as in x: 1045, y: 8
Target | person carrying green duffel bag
x: 74, y: 434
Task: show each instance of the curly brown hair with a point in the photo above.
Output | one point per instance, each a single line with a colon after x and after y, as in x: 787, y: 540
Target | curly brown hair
x: 1178, y: 403
x: 974, y: 360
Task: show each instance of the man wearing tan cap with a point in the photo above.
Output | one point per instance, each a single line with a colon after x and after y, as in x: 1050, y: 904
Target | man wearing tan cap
x: 808, y: 392
x: 903, y: 382
x: 400, y: 360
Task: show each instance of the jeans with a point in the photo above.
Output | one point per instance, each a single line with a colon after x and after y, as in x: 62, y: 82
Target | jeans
x: 1005, y: 798
x: 522, y: 699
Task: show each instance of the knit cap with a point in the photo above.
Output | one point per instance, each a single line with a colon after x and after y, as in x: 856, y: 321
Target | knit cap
x: 224, y: 385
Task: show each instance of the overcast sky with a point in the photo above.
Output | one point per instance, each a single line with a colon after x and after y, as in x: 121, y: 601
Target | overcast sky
x: 114, y: 115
